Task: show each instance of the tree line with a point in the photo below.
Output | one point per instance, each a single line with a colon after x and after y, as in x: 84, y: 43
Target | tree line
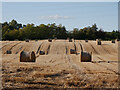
x: 14, y: 30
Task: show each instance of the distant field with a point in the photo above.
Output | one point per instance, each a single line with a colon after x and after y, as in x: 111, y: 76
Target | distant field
x: 58, y: 68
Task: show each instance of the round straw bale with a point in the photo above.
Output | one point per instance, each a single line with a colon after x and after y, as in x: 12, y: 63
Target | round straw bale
x: 117, y: 40
x: 33, y: 57
x: 8, y: 52
x: 36, y: 40
x: 42, y: 53
x: 49, y: 40
x: 98, y: 41
x: 70, y: 40
x: 113, y: 41
x: 27, y: 40
x: 86, y: 40
x: 86, y: 57
x: 55, y: 38
x: 24, y: 57
x: 72, y: 51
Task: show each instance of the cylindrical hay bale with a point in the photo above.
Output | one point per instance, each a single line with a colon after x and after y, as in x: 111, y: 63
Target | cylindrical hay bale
x: 113, y: 41
x: 49, y: 40
x: 72, y: 51
x: 27, y: 40
x: 42, y: 53
x: 86, y: 40
x: 70, y: 40
x: 36, y: 40
x: 8, y: 52
x: 86, y: 57
x: 117, y: 40
x: 55, y: 38
x: 24, y: 57
x: 98, y: 42
x: 33, y: 57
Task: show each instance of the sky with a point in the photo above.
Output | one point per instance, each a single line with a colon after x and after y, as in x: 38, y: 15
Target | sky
x: 70, y: 14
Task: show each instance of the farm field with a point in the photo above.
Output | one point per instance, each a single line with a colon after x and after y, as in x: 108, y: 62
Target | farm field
x: 58, y: 68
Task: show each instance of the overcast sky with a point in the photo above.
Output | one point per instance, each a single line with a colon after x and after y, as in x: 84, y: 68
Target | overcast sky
x: 70, y: 14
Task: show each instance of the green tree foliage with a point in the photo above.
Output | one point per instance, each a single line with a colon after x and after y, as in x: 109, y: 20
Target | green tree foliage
x: 14, y: 30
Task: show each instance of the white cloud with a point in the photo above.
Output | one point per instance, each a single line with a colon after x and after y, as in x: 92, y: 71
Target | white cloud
x: 55, y: 17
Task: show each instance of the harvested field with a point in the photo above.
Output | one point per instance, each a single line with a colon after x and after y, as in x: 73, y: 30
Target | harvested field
x: 58, y: 68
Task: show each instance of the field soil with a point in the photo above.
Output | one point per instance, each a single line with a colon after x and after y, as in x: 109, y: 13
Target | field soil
x: 58, y: 68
